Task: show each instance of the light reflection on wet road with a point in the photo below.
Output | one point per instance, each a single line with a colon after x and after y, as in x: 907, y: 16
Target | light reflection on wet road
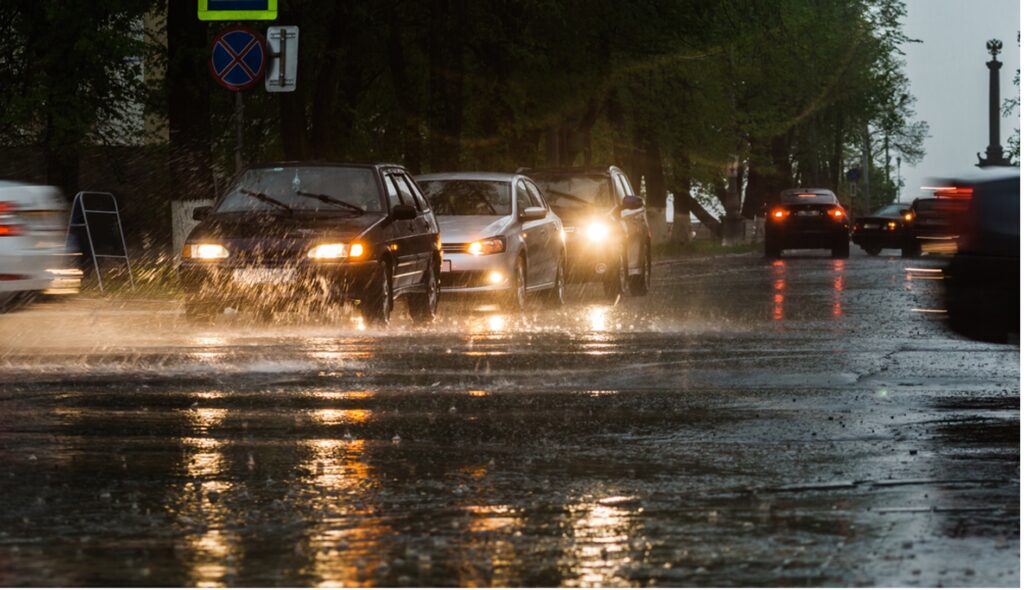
x: 755, y: 423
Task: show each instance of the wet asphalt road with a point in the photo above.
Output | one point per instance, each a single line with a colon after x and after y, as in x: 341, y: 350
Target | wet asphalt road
x: 804, y: 422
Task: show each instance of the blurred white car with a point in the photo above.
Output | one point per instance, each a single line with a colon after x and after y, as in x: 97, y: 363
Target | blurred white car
x: 33, y: 260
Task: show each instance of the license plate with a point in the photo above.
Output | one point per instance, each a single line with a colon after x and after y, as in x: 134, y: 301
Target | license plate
x: 446, y: 266
x: 263, y: 276
x: 871, y: 226
x: 807, y: 213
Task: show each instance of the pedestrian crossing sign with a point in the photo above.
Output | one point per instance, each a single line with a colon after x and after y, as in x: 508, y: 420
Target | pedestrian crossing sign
x: 237, y: 9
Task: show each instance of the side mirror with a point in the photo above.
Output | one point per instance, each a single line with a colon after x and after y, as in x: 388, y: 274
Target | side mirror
x: 533, y: 213
x: 632, y: 203
x: 403, y: 212
x: 201, y: 213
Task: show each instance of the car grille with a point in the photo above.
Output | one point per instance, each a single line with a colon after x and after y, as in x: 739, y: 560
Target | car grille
x: 462, y: 279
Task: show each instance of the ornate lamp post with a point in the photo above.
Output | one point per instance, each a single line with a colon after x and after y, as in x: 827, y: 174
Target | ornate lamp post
x: 994, y: 153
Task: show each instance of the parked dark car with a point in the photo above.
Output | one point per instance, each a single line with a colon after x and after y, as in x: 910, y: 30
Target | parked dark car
x: 605, y: 224
x: 806, y: 219
x: 881, y: 230
x: 982, y: 285
x: 933, y: 221
x: 301, y: 236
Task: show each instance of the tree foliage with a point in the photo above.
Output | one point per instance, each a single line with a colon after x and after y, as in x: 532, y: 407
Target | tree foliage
x: 731, y: 100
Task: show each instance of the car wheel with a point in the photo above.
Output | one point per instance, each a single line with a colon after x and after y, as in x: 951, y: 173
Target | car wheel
x: 872, y: 250
x: 911, y: 248
x: 615, y: 284
x: 378, y: 302
x: 555, y: 296
x: 516, y: 297
x: 640, y: 285
x: 423, y: 306
x: 841, y: 249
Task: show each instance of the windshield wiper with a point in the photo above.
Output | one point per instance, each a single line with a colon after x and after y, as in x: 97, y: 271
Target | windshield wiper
x: 332, y: 200
x: 265, y: 198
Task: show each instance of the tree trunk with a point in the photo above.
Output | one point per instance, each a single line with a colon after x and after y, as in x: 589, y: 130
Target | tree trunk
x: 446, y: 54
x: 188, y: 103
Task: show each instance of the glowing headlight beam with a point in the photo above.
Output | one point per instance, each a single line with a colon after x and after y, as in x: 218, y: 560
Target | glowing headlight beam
x: 597, y: 230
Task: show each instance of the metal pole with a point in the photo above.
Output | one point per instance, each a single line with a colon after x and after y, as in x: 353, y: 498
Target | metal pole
x: 239, y: 136
x: 867, y: 172
x: 899, y: 179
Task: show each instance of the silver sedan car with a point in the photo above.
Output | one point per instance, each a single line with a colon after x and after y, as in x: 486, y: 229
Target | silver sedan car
x: 499, y: 236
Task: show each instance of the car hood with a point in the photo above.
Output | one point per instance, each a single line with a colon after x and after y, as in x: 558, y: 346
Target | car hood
x: 283, y: 227
x: 579, y: 216
x: 457, y: 229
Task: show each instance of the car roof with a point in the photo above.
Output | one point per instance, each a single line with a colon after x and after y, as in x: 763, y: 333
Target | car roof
x: 980, y: 175
x: 488, y: 176
x: 584, y: 170
x: 817, y: 191
x: 323, y: 163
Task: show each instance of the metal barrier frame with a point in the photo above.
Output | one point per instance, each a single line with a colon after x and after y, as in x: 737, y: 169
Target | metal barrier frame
x: 79, y: 205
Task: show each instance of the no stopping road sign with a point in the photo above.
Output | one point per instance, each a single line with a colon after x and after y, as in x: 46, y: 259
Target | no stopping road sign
x: 238, y: 58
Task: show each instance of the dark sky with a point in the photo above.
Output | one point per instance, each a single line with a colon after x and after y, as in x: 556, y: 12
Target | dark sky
x: 950, y: 81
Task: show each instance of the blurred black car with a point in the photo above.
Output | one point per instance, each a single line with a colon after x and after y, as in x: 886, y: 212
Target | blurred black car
x: 806, y: 219
x: 982, y: 285
x: 933, y: 221
x: 301, y: 236
x: 605, y: 223
x: 880, y: 230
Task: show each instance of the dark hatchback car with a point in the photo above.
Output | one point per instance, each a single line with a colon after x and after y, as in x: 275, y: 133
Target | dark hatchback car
x: 933, y: 221
x: 605, y: 223
x: 982, y: 285
x: 806, y: 219
x: 305, y: 236
x: 881, y: 230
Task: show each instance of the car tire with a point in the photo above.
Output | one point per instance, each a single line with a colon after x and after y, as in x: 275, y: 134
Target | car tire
x: 615, y: 284
x: 555, y: 296
x: 841, y: 249
x: 515, y: 299
x: 640, y: 285
x: 911, y: 248
x: 423, y: 306
x: 379, y: 301
x: 872, y: 250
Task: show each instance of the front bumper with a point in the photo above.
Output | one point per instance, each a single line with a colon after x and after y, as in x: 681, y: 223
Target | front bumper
x: 590, y: 260
x: 31, y: 269
x: 467, y: 274
x: 274, y: 284
x: 882, y: 238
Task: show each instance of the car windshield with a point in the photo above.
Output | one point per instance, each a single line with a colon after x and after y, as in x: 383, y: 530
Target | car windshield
x: 808, y: 197
x: 468, y: 197
x: 304, y: 188
x: 888, y: 211
x: 580, y: 190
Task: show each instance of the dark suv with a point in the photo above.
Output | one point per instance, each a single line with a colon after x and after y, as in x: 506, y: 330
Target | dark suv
x: 933, y: 221
x: 606, y: 232
x: 806, y: 219
x: 982, y: 283
x: 301, y: 236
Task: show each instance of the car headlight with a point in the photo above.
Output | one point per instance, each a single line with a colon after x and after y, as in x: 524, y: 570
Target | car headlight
x: 205, y: 251
x: 597, y: 231
x: 488, y: 246
x: 336, y: 251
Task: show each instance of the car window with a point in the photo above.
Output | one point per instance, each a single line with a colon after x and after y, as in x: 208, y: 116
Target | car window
x: 792, y: 197
x: 889, y: 211
x: 573, y: 191
x: 297, y: 187
x: 393, y: 198
x: 535, y: 198
x: 522, y: 197
x: 421, y: 202
x: 626, y: 187
x: 468, y: 197
x: 403, y: 190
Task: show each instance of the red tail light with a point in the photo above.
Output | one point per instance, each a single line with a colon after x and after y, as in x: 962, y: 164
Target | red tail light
x: 837, y: 213
x: 778, y: 213
x: 7, y: 225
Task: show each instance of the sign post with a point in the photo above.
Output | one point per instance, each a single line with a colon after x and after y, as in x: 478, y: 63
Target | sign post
x: 235, y: 10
